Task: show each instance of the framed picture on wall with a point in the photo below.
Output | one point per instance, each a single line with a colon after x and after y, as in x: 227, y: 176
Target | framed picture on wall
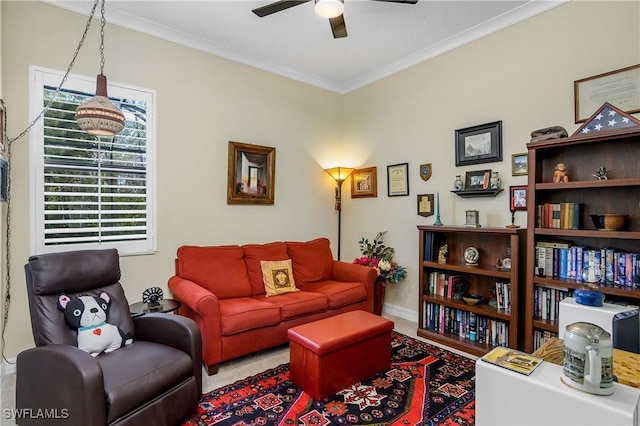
x: 364, y: 183
x: 251, y: 174
x: 398, y: 180
x: 517, y: 197
x: 479, y: 144
x: 519, y: 165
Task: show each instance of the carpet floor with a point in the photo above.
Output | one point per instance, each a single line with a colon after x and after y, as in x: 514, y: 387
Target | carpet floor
x: 426, y: 385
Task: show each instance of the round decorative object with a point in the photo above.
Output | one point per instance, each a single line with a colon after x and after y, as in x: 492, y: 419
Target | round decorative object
x: 472, y: 299
x: 589, y: 295
x: 152, y: 296
x: 506, y: 264
x: 471, y: 256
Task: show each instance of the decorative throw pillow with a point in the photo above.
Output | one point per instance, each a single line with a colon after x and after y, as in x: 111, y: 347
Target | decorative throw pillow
x: 278, y: 277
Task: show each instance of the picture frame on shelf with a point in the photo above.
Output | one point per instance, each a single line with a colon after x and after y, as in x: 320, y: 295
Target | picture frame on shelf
x: 251, y: 174
x: 425, y: 205
x: 398, y: 180
x: 477, y: 179
x: 479, y: 144
x: 517, y: 197
x: 364, y: 183
x: 3, y: 136
x: 4, y: 180
x: 519, y: 164
x: 619, y: 87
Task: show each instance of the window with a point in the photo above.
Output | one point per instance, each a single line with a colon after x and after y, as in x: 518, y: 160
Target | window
x: 91, y: 192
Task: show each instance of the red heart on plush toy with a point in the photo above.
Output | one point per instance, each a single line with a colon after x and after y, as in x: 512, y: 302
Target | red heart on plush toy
x: 97, y: 331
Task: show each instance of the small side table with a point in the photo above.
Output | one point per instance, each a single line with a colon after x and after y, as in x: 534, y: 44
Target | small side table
x: 165, y: 306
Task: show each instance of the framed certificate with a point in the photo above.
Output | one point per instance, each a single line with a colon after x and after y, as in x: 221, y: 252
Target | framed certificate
x: 398, y: 180
x: 621, y: 88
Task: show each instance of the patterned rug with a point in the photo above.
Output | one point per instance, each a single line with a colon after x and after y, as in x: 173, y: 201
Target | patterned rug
x: 426, y: 385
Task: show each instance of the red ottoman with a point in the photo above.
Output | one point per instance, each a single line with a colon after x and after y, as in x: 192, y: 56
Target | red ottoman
x: 333, y: 353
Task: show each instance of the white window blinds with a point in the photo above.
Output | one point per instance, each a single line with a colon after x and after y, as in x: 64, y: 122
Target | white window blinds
x: 94, y: 191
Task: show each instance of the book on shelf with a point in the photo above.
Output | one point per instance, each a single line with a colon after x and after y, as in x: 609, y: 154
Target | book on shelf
x: 513, y: 360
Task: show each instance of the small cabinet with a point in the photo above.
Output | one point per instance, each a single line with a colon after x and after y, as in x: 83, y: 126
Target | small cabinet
x: 475, y: 329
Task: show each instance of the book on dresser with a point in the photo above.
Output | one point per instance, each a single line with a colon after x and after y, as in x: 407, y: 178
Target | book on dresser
x: 513, y: 360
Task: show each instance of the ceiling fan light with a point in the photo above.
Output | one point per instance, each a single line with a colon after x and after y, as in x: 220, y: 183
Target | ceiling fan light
x: 329, y: 8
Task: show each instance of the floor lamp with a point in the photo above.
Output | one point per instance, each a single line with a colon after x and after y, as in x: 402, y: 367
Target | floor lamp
x: 339, y: 174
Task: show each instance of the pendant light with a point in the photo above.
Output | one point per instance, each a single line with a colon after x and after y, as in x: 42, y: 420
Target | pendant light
x: 98, y: 115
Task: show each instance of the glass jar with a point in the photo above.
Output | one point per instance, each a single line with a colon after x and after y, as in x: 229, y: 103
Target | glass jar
x: 457, y: 184
x: 495, y: 180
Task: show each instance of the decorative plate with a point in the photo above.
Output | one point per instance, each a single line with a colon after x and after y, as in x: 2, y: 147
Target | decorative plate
x: 152, y: 296
x: 471, y: 256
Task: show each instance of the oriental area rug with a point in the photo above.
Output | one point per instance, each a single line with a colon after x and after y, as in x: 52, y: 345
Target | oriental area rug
x: 426, y: 385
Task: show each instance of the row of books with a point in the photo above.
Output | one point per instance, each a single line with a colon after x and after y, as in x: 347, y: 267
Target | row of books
x: 443, y: 284
x: 546, y: 302
x: 540, y: 337
x: 468, y: 325
x: 566, y: 261
x: 559, y: 215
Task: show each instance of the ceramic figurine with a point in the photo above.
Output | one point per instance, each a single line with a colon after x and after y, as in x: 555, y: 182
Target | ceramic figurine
x: 560, y: 174
x: 442, y: 253
x: 601, y: 174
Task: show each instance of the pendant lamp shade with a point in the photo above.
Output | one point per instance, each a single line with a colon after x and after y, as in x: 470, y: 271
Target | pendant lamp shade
x: 98, y: 115
x: 329, y: 8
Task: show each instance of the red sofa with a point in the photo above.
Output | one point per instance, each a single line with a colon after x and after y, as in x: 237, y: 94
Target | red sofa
x: 221, y: 288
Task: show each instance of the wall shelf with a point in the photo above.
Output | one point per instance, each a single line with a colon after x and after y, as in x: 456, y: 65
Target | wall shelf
x: 469, y: 193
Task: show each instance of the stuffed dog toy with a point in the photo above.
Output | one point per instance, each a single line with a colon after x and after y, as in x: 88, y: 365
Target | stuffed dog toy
x: 88, y: 314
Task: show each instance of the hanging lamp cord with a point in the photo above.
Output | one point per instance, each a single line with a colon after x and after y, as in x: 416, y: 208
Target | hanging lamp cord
x: 9, y: 142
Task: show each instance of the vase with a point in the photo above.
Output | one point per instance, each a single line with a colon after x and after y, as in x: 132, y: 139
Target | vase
x: 457, y: 184
x: 495, y: 180
x: 379, y: 287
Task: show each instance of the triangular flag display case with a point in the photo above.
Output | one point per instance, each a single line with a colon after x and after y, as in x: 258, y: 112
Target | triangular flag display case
x: 557, y: 254
x: 607, y: 120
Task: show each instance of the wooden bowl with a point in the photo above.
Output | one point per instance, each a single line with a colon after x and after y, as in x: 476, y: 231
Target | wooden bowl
x: 608, y: 222
x: 472, y: 299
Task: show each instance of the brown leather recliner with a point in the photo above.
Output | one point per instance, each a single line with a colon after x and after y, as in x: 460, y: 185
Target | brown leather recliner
x: 156, y: 380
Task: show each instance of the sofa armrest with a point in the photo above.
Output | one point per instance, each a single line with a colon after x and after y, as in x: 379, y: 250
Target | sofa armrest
x: 176, y: 331
x: 63, y: 379
x: 350, y: 272
x: 198, y: 299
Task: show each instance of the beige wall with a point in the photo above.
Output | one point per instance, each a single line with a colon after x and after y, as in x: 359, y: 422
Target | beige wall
x: 522, y: 75
x: 202, y: 103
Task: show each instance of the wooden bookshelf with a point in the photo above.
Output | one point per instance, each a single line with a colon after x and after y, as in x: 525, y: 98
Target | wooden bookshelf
x: 492, y: 244
x: 620, y: 193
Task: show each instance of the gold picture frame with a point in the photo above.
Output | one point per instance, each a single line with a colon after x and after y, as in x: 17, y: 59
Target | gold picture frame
x: 251, y: 174
x: 364, y: 183
x: 619, y: 87
x: 519, y: 164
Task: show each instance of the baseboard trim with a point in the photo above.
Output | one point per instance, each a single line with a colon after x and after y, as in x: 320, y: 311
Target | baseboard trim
x: 398, y: 311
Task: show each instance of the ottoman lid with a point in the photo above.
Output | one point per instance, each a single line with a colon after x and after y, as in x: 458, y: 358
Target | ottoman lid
x: 333, y: 333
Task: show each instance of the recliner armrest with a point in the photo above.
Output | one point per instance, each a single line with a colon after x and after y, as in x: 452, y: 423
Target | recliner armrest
x: 173, y: 330
x: 63, y: 379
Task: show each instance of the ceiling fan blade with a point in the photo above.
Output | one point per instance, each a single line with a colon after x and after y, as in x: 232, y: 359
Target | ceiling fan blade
x: 338, y: 27
x: 277, y: 7
x: 399, y: 1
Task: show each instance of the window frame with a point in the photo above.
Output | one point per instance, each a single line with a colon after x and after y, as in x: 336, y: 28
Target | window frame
x: 39, y: 77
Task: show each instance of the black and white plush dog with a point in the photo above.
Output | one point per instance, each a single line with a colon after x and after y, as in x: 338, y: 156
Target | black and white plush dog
x: 88, y: 314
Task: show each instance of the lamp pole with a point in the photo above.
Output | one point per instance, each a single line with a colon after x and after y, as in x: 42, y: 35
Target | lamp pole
x: 339, y: 174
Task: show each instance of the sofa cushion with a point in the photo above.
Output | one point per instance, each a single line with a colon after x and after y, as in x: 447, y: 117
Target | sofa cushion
x: 339, y: 293
x: 278, y: 277
x: 246, y: 313
x: 312, y: 260
x: 254, y: 253
x: 219, y: 269
x: 298, y: 304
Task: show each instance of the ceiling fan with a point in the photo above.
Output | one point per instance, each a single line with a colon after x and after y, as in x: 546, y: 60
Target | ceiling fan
x: 331, y: 9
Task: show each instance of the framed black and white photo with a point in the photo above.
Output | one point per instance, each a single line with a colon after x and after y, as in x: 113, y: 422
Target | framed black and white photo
x: 479, y: 144
x: 477, y: 179
x: 398, y: 180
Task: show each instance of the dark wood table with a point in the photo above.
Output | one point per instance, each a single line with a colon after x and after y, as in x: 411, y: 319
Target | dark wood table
x: 165, y: 306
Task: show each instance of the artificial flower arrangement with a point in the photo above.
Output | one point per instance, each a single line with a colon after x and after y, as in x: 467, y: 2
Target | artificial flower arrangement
x: 380, y: 257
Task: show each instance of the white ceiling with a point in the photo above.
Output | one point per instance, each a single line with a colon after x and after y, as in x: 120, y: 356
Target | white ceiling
x: 383, y: 38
